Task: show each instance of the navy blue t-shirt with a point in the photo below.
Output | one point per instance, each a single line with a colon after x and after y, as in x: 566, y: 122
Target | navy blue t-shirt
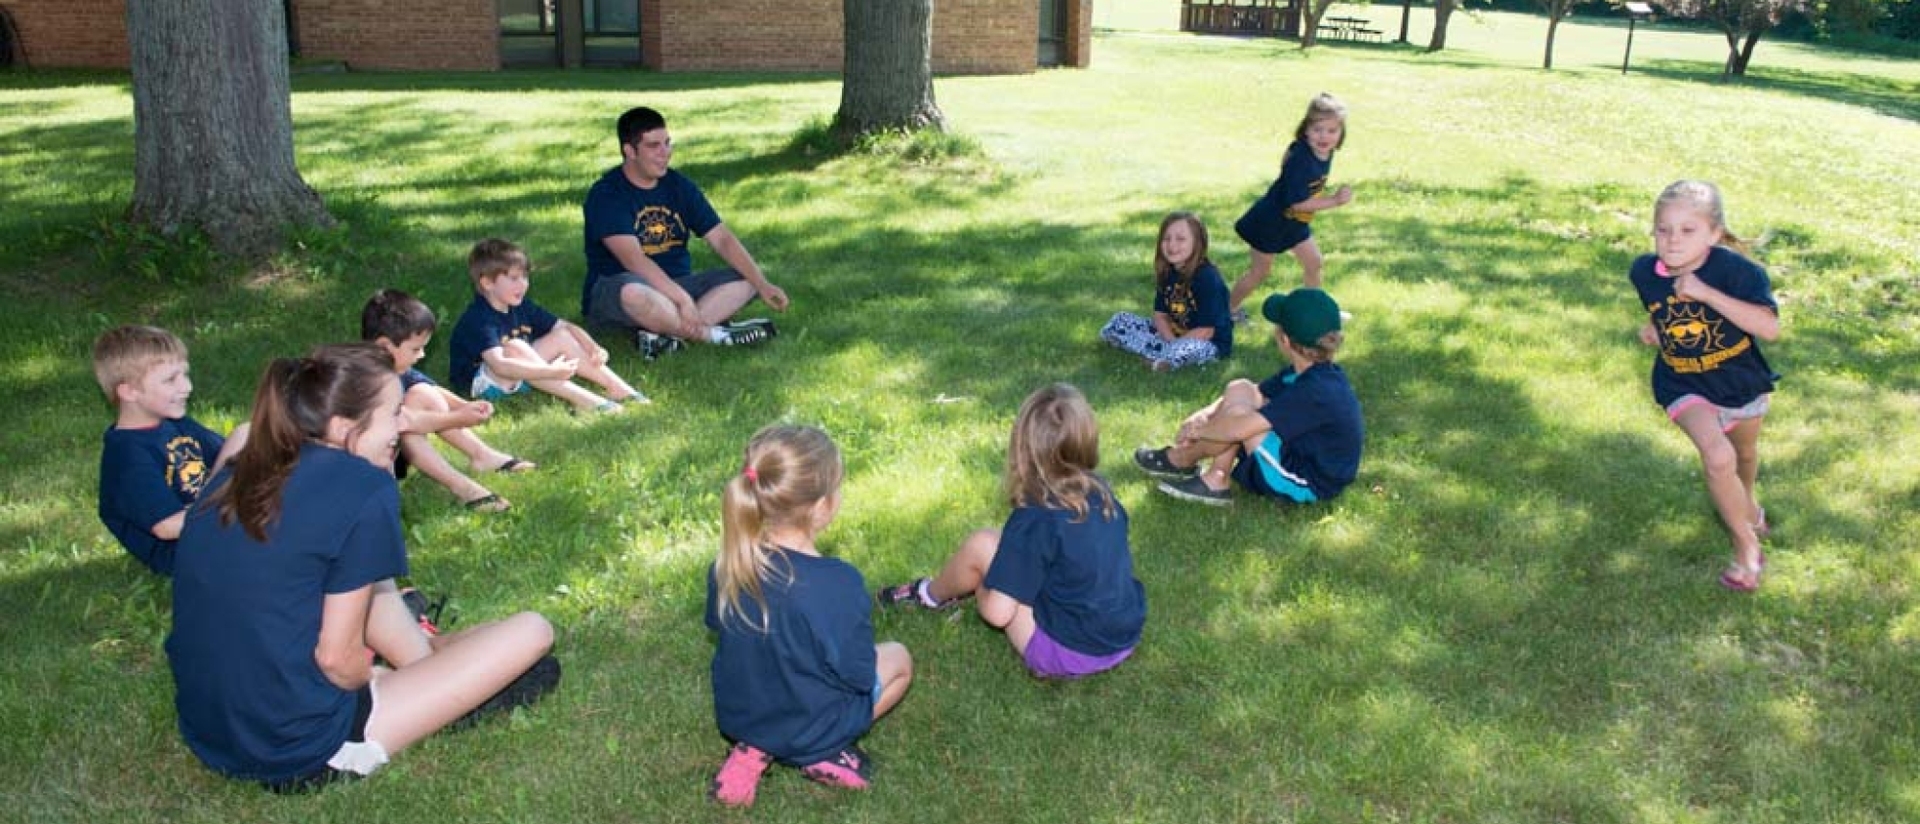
x: 1077, y: 577
x: 252, y: 702
x: 663, y: 218
x: 802, y: 690
x: 481, y: 328
x: 1317, y: 417
x: 1302, y: 176
x: 147, y: 475
x: 414, y: 377
x: 1701, y: 351
x: 1196, y: 302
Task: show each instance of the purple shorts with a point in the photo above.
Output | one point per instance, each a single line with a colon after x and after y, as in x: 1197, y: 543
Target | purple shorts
x: 1047, y: 659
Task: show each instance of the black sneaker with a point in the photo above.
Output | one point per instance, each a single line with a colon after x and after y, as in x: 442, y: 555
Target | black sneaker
x: 1155, y: 462
x: 652, y: 346
x: 1195, y: 489
x: 425, y: 611
x: 749, y: 333
x: 908, y: 595
x: 523, y: 691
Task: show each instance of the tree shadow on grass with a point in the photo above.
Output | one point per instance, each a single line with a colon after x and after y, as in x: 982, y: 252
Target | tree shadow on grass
x: 1889, y: 96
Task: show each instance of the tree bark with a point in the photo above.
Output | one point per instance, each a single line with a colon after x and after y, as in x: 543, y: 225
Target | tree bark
x: 1442, y: 9
x: 1553, y: 26
x: 887, y: 79
x: 213, y: 124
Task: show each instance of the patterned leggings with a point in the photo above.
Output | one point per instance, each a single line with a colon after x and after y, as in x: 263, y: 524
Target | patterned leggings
x: 1135, y: 334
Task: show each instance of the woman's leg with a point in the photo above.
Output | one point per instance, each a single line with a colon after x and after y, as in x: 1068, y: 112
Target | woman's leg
x: 415, y: 701
x: 391, y: 629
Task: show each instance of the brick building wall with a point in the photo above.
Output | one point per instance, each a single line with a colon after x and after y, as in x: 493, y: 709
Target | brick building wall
x: 67, y: 33
x: 399, y: 34
x: 969, y: 36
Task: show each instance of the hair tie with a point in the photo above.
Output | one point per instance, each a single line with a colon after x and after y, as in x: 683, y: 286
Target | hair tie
x: 752, y: 476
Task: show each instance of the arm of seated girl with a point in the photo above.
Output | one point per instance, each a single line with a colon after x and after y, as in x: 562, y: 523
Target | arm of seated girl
x: 342, y: 650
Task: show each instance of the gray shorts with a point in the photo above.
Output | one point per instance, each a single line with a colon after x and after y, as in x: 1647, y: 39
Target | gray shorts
x: 603, y: 309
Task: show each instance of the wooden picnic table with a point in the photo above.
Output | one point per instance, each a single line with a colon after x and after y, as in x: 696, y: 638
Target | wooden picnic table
x: 1349, y: 28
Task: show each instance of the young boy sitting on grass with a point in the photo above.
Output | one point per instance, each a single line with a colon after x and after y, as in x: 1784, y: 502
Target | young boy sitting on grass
x: 402, y: 325
x: 1294, y: 437
x: 154, y: 460
x: 505, y: 342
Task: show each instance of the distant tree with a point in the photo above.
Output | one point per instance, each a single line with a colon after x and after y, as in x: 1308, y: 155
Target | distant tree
x: 1742, y: 21
x: 213, y: 124
x: 1442, y: 10
x: 1556, y: 11
x: 886, y: 81
x: 1310, y: 29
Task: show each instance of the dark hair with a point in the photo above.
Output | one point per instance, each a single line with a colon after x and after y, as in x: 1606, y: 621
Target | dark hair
x: 296, y: 400
x: 638, y: 121
x: 394, y: 315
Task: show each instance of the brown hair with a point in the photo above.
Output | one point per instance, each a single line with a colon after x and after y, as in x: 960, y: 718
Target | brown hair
x: 788, y: 470
x: 1320, y: 351
x: 394, y: 315
x: 296, y: 400
x: 1055, y: 448
x: 1163, y: 269
x: 124, y: 354
x: 494, y: 257
x: 1704, y: 199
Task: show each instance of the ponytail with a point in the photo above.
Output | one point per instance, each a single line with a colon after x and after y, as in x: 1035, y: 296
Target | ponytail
x: 788, y: 470
x: 296, y: 400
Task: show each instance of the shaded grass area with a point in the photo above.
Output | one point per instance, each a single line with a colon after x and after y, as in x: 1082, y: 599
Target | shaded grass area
x: 1510, y: 617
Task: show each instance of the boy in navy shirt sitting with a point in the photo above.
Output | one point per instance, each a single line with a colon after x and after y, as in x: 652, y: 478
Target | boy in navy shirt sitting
x: 154, y: 459
x: 1294, y: 437
x: 505, y: 342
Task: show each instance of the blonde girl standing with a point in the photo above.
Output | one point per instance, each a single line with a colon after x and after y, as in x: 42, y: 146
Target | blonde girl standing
x: 1707, y: 308
x: 1280, y: 220
x: 797, y: 677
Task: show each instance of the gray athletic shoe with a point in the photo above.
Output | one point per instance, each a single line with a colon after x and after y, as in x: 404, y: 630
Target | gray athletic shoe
x: 1196, y: 490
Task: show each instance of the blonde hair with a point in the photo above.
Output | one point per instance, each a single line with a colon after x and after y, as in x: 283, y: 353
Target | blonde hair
x: 1054, y: 450
x: 493, y: 257
x: 1322, y: 350
x: 1323, y: 106
x: 124, y: 354
x: 1704, y: 199
x: 788, y: 470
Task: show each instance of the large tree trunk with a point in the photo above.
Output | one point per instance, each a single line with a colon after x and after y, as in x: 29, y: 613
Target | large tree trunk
x: 213, y: 124
x: 887, y: 81
x: 1442, y: 9
x: 1745, y: 55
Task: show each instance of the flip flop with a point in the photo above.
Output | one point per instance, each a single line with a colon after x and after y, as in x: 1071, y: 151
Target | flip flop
x: 1735, y: 584
x: 514, y: 466
x: 487, y: 503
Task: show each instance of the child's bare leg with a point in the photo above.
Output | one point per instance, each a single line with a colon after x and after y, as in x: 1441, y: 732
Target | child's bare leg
x: 1259, y: 265
x: 417, y: 700
x: 966, y: 568
x: 391, y: 629
x: 1308, y: 253
x: 893, y: 665
x: 1745, y: 437
x: 428, y: 462
x: 1731, y: 498
x: 552, y: 346
x: 438, y: 400
x: 616, y: 386
x: 1010, y: 616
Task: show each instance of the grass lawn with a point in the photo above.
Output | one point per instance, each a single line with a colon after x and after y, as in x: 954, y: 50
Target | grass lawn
x: 1510, y: 617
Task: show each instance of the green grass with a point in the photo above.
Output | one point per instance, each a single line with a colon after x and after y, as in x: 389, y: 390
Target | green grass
x: 1511, y: 617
